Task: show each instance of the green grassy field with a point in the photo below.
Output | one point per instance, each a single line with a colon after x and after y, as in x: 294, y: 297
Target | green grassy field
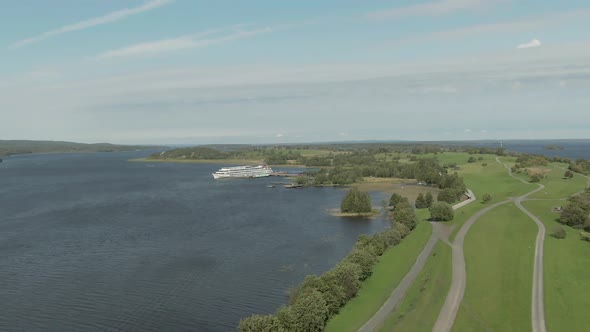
x: 499, y: 252
x: 557, y: 187
x: 387, y: 274
x: 419, y: 309
x: 567, y: 273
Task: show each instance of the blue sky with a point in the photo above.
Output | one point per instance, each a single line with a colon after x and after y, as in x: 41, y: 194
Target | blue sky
x: 184, y: 71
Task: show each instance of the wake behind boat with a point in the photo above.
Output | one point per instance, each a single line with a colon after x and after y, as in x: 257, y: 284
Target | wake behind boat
x: 243, y: 172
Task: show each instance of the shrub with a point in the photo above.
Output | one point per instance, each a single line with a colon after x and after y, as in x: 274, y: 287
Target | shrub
x: 487, y: 197
x: 260, y: 323
x: 535, y: 178
x: 558, y: 232
x: 585, y: 236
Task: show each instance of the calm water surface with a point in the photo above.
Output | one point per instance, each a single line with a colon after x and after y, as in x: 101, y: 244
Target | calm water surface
x: 91, y: 242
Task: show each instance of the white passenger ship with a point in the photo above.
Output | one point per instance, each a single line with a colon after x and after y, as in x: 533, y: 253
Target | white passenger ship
x: 243, y: 172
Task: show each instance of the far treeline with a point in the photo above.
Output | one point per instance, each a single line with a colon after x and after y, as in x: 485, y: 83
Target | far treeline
x: 319, y: 298
x: 343, y: 154
x: 14, y: 147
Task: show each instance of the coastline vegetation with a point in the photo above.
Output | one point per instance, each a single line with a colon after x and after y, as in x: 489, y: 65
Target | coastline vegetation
x: 319, y: 298
x: 15, y: 147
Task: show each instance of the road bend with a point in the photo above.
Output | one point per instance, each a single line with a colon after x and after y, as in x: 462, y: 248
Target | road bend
x: 438, y: 233
x: 538, y: 299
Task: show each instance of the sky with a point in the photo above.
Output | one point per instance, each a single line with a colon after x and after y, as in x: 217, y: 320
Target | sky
x: 196, y: 72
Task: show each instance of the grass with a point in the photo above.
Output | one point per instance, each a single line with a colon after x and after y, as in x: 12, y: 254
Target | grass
x: 388, y: 272
x: 394, y: 185
x: 499, y: 251
x: 558, y: 187
x: 567, y: 273
x: 419, y: 309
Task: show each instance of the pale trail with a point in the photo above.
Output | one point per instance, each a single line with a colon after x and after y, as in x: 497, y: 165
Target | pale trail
x: 448, y: 313
x: 400, y: 291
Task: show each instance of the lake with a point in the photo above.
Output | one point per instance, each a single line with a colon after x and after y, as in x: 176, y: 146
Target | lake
x: 91, y: 242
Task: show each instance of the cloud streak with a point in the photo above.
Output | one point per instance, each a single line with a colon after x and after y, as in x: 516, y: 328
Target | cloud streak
x: 200, y: 40
x: 533, y: 43
x: 108, y: 18
x: 434, y: 8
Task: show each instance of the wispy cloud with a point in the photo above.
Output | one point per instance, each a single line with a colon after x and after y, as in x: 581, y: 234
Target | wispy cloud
x: 108, y: 18
x: 203, y: 39
x: 530, y: 23
x: 531, y: 44
x: 434, y: 8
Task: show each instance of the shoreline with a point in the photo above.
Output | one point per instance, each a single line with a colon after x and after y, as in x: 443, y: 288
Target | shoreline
x: 213, y: 161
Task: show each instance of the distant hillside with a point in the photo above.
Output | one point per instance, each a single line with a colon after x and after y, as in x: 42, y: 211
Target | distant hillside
x: 13, y: 147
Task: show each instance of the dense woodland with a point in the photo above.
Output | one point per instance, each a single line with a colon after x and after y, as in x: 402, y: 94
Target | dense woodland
x: 319, y: 298
x: 8, y: 148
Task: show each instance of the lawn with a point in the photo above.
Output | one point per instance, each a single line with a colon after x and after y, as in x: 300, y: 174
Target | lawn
x: 567, y: 273
x: 499, y: 252
x: 419, y: 309
x: 387, y: 274
x: 558, y: 187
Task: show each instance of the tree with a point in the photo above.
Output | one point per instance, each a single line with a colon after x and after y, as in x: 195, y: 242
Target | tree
x: 568, y: 174
x: 310, y: 312
x: 573, y: 215
x: 346, y: 275
x: 365, y: 260
x: 428, y: 199
x: 395, y: 199
x: 471, y: 159
x: 535, y: 178
x: 487, y: 197
x: 420, y: 202
x: 260, y: 323
x: 441, y: 211
x: 447, y: 195
x: 356, y: 202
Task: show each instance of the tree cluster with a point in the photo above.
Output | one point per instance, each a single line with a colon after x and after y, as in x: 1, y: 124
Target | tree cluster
x: 356, y: 201
x: 576, y: 213
x: 580, y: 166
x: 424, y: 201
x: 319, y: 298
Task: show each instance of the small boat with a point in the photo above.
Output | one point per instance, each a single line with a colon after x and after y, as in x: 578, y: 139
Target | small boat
x: 271, y: 186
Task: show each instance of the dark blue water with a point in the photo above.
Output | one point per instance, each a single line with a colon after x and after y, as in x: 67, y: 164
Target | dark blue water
x: 91, y: 242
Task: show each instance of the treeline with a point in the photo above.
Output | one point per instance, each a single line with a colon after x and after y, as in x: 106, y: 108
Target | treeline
x: 576, y: 213
x: 426, y: 170
x: 319, y: 298
x: 15, y: 147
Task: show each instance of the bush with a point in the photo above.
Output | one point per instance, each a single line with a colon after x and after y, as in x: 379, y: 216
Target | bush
x: 573, y: 215
x: 535, y: 178
x: 558, y: 232
x: 441, y: 211
x: 421, y: 202
x: 585, y: 236
x: 487, y: 197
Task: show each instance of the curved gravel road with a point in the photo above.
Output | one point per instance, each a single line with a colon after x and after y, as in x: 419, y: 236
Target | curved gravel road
x: 538, y: 300
x: 438, y: 233
x: 448, y: 313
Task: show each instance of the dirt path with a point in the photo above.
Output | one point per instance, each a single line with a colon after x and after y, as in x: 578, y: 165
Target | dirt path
x: 439, y: 232
x: 448, y: 313
x: 538, y: 300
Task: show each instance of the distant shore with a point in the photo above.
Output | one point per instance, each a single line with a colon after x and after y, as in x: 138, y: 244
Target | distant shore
x: 213, y: 161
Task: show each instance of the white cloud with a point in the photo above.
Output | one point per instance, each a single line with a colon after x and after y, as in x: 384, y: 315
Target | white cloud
x: 108, y: 18
x: 280, y: 135
x: 531, y: 44
x: 182, y: 43
x: 467, y: 130
x: 434, y: 8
